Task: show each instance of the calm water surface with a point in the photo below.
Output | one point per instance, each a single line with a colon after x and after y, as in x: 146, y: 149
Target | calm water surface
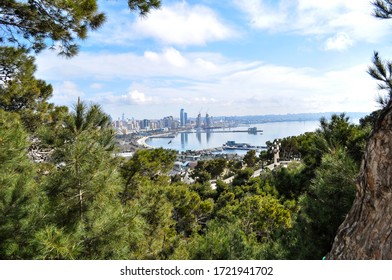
x: 205, y: 140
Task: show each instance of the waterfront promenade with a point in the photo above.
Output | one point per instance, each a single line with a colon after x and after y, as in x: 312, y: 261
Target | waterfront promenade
x: 142, y: 142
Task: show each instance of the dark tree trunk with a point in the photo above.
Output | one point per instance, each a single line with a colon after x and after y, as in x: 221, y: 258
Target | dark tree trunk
x: 366, y: 233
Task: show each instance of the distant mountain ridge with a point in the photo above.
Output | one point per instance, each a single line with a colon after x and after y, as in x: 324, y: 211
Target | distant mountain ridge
x: 290, y: 117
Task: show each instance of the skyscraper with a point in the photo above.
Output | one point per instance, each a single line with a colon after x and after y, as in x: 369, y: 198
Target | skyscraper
x: 185, y: 118
x: 182, y: 122
x: 198, y: 121
x: 208, y: 122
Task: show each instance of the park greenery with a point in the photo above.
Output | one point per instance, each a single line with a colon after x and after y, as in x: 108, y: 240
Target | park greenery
x: 82, y: 202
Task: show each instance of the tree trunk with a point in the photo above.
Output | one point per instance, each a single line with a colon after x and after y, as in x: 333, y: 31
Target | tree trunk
x: 366, y: 233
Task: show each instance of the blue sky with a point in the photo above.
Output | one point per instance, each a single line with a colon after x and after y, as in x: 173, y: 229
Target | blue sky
x: 234, y: 57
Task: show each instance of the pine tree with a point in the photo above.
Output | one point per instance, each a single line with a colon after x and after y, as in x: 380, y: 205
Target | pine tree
x: 83, y: 193
x: 18, y: 190
x: 20, y: 91
x: 37, y: 24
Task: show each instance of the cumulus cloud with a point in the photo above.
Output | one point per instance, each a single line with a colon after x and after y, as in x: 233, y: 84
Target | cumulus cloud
x: 175, y: 58
x: 66, y: 93
x: 317, y: 18
x: 157, y: 82
x: 133, y: 97
x: 137, y: 97
x: 339, y: 42
x: 178, y: 23
x: 107, y: 67
x: 182, y: 24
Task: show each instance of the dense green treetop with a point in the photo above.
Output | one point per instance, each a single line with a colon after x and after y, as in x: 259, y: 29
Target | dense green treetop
x: 20, y: 91
x: 18, y: 191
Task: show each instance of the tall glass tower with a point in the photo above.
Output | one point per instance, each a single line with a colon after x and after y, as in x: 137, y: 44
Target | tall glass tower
x: 182, y: 119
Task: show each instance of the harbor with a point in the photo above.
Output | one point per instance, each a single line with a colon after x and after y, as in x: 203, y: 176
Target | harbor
x: 213, y: 139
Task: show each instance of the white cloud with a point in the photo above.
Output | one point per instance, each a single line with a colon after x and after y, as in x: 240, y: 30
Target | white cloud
x: 107, y: 67
x: 179, y: 24
x: 133, y: 97
x: 182, y: 24
x: 317, y: 18
x: 66, y: 93
x: 261, y: 15
x: 339, y: 42
x: 175, y: 58
x: 137, y: 97
x: 160, y: 83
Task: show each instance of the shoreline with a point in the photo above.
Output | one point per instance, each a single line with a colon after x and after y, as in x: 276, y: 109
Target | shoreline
x: 142, y: 142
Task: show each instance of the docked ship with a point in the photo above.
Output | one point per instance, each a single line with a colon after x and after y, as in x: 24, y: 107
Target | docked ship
x: 232, y: 145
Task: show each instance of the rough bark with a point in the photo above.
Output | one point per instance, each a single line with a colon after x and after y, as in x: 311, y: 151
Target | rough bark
x: 366, y: 233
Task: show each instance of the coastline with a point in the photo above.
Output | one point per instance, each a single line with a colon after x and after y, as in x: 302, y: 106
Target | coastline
x: 142, y: 142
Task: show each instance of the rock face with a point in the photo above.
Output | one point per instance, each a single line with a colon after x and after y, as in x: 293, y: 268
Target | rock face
x: 366, y: 232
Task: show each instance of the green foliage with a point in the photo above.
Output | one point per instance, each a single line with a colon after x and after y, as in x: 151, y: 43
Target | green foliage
x: 369, y: 121
x: 340, y: 133
x: 35, y: 24
x: 382, y: 9
x: 18, y: 190
x: 221, y: 241
x: 242, y: 230
x: 290, y: 182
x: 290, y: 148
x: 323, y: 209
x: 207, y: 169
x: 53, y: 243
x: 156, y: 210
x: 143, y: 6
x: 381, y: 70
x: 265, y: 157
x: 242, y: 176
x: 250, y: 158
x: 20, y: 91
x: 145, y: 164
x: 190, y: 211
x: 262, y: 216
x: 83, y: 196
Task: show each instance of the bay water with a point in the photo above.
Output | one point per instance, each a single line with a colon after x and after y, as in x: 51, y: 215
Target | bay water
x: 213, y: 139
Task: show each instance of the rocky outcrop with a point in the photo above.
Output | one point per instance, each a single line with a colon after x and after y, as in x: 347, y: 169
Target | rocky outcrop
x: 366, y: 232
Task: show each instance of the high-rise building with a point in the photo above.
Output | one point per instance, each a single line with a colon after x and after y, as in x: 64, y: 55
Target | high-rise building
x: 185, y: 118
x: 182, y: 122
x: 208, y: 122
x: 168, y: 122
x: 145, y: 124
x: 198, y: 121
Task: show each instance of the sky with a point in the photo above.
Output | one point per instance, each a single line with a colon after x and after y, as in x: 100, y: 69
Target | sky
x: 225, y: 58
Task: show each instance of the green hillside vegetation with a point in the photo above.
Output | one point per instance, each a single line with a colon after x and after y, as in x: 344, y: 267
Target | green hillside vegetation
x: 82, y: 202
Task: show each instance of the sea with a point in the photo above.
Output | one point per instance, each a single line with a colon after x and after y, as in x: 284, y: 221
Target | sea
x: 202, y: 140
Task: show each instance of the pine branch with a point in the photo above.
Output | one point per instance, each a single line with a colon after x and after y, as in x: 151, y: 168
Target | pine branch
x: 383, y: 9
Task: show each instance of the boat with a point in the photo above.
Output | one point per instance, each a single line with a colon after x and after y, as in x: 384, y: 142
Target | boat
x: 252, y: 130
x: 232, y: 145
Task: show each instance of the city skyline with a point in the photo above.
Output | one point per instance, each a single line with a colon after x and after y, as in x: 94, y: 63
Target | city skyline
x: 239, y: 57
x: 251, y: 118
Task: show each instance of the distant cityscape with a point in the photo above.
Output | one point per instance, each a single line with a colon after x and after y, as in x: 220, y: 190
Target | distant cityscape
x: 126, y: 126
